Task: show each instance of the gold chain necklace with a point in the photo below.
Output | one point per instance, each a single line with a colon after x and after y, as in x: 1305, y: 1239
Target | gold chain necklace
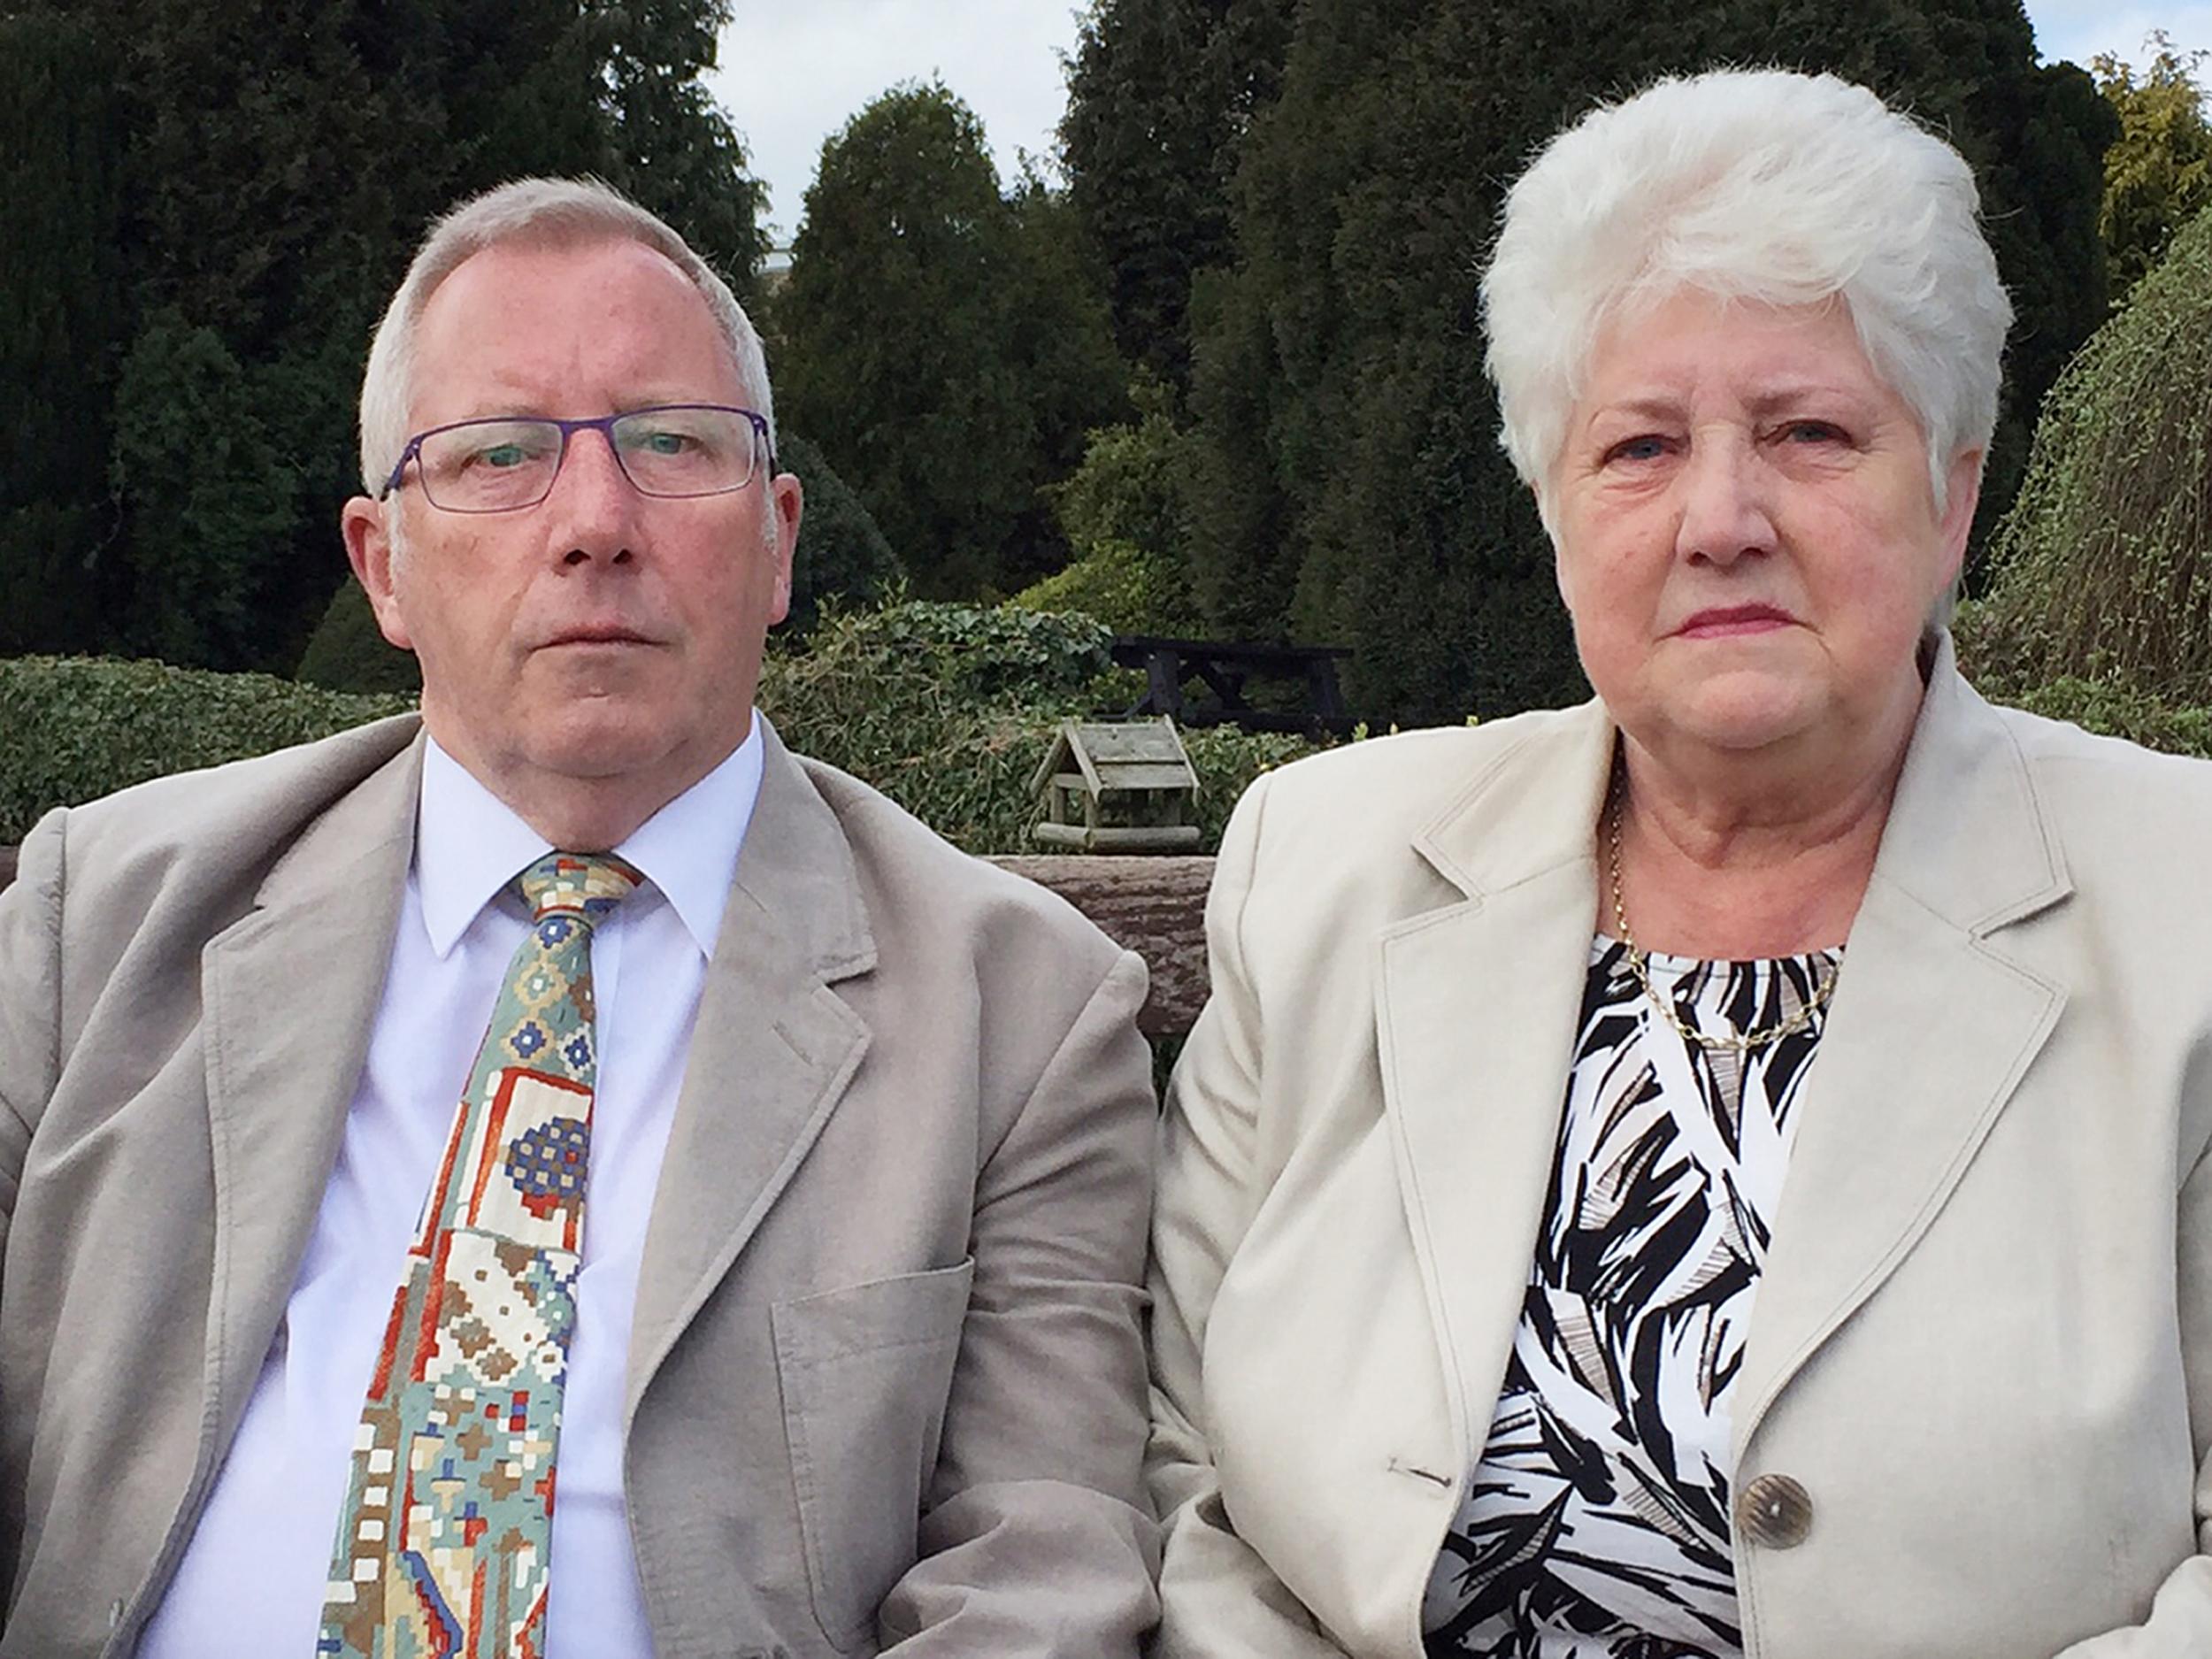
x: 1741, y: 1042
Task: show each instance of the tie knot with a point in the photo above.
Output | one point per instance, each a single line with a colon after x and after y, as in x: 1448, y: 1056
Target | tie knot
x: 577, y: 884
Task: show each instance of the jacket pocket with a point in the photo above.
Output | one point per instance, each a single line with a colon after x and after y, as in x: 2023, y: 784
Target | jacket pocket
x: 864, y: 1370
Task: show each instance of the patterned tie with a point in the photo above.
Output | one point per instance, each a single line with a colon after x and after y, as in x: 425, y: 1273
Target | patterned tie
x: 444, y: 1539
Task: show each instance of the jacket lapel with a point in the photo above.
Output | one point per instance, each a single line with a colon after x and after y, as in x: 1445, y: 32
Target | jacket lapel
x: 772, y: 1052
x: 1475, y: 1015
x: 1931, y: 1031
x: 291, y: 992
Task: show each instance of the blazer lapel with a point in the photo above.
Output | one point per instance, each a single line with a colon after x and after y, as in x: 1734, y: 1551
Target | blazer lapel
x: 291, y: 992
x: 1475, y: 1015
x: 1930, y: 1032
x: 771, y: 1056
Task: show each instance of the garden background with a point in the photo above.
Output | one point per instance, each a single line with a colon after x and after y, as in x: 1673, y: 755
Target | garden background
x: 1212, y: 368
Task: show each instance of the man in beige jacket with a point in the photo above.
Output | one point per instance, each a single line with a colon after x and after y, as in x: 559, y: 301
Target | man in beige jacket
x: 851, y: 1359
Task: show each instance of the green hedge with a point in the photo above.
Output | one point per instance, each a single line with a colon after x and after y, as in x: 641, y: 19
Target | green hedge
x: 948, y: 709
x: 945, y: 708
x: 74, y: 728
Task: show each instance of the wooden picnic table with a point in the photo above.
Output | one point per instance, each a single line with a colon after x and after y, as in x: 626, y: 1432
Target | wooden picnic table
x: 1224, y: 668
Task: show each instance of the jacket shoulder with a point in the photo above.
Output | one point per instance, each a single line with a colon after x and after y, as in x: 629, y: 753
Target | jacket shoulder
x: 2115, y: 799
x: 912, y: 877
x: 239, y: 815
x: 1389, y: 789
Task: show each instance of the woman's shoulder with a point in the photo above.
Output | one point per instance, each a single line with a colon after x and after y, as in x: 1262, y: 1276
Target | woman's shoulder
x: 1395, y: 787
x: 2132, y: 810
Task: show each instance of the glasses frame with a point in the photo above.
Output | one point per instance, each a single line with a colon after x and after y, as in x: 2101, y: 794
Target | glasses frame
x: 604, y: 425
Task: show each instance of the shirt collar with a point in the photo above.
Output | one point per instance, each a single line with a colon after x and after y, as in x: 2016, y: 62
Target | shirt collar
x: 469, y: 844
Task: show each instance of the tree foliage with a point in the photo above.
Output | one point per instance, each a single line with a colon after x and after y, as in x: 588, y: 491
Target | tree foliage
x: 1353, y: 492
x: 1125, y: 512
x: 842, y: 557
x: 942, y: 342
x: 2103, y: 572
x: 2158, y: 173
x: 217, y: 200
x: 1160, y: 95
x: 65, y: 322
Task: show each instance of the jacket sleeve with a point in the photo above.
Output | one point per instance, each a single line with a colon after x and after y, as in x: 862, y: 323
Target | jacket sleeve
x: 2180, y: 1622
x: 1218, y: 1599
x: 30, y: 998
x: 1043, y: 1543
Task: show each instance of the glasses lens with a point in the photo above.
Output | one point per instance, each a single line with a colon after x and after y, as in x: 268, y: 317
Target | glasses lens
x: 488, y: 465
x: 691, y: 450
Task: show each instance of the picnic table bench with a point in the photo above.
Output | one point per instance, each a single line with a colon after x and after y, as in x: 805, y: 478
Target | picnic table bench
x: 1224, y: 668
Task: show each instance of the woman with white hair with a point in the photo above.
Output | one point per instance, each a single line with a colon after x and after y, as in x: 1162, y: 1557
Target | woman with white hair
x: 1722, y: 1170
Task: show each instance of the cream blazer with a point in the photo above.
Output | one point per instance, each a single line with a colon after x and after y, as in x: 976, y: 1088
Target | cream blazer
x: 1982, y: 1340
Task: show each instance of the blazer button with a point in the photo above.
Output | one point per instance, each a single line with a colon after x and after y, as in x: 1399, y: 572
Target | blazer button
x: 1774, y: 1512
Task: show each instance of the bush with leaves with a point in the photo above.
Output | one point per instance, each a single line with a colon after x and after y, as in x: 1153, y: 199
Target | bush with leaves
x: 1126, y: 588
x: 81, y: 727
x: 349, y: 652
x: 948, y: 710
x: 842, y: 556
x: 2103, y: 569
x: 945, y: 708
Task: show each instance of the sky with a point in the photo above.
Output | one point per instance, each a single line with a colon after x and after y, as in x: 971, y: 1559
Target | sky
x: 791, y: 75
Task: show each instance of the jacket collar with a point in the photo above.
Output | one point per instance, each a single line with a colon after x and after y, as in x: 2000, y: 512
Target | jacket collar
x: 1476, y: 1007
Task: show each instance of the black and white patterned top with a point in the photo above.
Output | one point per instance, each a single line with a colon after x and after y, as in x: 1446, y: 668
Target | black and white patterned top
x: 1596, y: 1524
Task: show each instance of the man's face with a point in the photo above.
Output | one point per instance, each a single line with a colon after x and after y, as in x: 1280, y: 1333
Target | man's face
x: 602, y: 645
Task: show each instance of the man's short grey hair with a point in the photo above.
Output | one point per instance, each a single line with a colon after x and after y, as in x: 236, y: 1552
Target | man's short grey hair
x: 1762, y: 185
x: 553, y: 212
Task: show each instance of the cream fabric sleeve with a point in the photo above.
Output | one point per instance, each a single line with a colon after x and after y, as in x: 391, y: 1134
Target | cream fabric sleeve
x: 1219, y: 1600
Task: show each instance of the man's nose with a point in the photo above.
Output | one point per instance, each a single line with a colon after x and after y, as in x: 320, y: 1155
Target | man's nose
x: 593, y: 503
x: 1726, y: 513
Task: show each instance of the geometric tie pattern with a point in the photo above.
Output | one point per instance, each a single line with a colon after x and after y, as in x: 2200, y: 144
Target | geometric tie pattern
x: 443, y: 1542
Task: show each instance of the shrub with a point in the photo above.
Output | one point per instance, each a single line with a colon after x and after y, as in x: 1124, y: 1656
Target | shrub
x: 945, y: 708
x: 948, y: 710
x: 841, y: 554
x: 347, y: 652
x: 1121, y: 586
x: 2103, y: 568
x: 81, y: 727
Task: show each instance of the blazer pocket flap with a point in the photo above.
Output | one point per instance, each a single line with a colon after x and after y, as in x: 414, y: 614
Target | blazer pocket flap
x: 865, y: 1372
x: 902, y: 1311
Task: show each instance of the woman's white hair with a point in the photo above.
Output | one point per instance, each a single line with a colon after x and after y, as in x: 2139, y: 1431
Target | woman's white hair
x: 555, y: 212
x: 1760, y: 185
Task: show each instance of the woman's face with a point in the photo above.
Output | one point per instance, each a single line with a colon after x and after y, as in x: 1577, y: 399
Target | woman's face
x: 1746, y: 537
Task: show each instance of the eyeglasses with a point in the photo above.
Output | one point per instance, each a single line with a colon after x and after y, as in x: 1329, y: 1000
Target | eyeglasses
x: 506, y: 463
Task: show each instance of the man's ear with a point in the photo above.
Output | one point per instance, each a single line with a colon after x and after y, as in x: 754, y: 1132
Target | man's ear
x: 369, y: 550
x: 787, y: 499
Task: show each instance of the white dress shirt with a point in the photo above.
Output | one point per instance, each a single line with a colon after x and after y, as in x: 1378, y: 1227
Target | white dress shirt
x: 252, y: 1579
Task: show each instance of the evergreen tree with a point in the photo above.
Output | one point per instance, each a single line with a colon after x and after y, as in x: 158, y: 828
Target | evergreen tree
x: 1160, y: 92
x: 2158, y: 173
x: 273, y: 166
x: 939, y: 344
x: 65, y: 319
x: 1357, y: 493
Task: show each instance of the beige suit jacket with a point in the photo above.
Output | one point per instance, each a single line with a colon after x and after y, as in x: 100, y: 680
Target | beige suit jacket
x: 1983, y: 1339
x: 886, y: 1385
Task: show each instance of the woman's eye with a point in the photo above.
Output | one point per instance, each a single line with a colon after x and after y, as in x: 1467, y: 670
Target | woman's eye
x: 1645, y: 448
x: 1812, y: 432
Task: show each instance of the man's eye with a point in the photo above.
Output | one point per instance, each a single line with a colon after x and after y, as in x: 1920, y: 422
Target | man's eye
x: 662, y: 443
x: 500, y: 455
